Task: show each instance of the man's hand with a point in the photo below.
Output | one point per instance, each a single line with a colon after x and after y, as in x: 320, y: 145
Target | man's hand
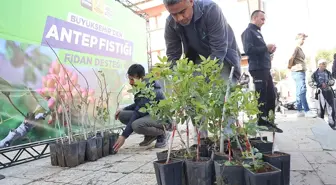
x: 119, y: 143
x: 271, y: 48
x: 324, y: 86
x: 116, y: 116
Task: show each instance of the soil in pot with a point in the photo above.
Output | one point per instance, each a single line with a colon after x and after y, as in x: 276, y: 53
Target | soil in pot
x: 106, y: 144
x: 71, y: 154
x: 53, y: 154
x: 265, y: 175
x: 81, y: 151
x: 164, y: 154
x: 262, y: 146
x: 170, y: 173
x: 60, y: 155
x: 112, y: 140
x: 91, y: 149
x: 229, y: 174
x: 200, y: 172
x: 282, y: 161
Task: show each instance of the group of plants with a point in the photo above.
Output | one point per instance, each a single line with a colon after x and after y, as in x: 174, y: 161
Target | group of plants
x: 69, y: 103
x: 232, y: 154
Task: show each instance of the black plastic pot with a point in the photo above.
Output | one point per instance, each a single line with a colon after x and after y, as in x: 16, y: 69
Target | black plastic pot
x: 112, y: 140
x: 91, y: 149
x: 99, y: 139
x: 71, y: 154
x: 201, y: 172
x: 106, y: 144
x: 60, y: 155
x: 81, y: 151
x: 53, y: 154
x: 267, y: 178
x: 262, y: 146
x: 169, y: 174
x: 233, y: 175
x: 203, y: 150
x: 282, y: 161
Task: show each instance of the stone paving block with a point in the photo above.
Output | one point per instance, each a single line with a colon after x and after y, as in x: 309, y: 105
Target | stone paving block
x: 319, y: 157
x: 90, y: 166
x: 332, y: 153
x: 137, y: 179
x: 114, y: 158
x: 142, y: 158
x: 30, y: 171
x: 44, y: 183
x: 14, y: 181
x: 299, y: 162
x: 123, y: 167
x: 67, y: 176
x: 98, y: 177
x: 305, y: 178
x: 147, y: 168
x: 326, y: 172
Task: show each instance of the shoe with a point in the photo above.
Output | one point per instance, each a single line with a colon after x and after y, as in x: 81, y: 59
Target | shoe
x: 162, y: 140
x: 271, y: 127
x: 147, y: 140
x: 300, y: 114
x: 310, y: 114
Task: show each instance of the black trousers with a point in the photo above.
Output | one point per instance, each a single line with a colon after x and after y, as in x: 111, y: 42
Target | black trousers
x: 264, y: 85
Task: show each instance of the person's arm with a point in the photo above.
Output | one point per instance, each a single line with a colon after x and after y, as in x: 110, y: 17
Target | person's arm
x: 313, y: 83
x: 218, y: 33
x: 291, y: 60
x: 331, y: 80
x: 136, y: 115
x: 333, y: 71
x: 249, y: 47
x: 173, y: 44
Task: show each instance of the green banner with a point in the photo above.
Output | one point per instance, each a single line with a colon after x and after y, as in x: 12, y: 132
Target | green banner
x: 86, y: 37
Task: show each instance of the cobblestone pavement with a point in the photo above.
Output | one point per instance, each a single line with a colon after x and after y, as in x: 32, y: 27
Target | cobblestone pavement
x: 309, y: 141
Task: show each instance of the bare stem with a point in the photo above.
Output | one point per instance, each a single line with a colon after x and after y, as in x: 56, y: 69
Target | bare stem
x: 171, y: 144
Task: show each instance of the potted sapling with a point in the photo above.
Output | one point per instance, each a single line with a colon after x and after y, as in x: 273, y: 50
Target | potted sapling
x: 231, y: 171
x: 278, y: 159
x: 258, y: 172
x: 168, y: 169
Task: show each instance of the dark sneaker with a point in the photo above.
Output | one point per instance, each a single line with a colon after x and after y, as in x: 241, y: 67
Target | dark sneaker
x: 147, y: 140
x: 271, y: 127
x: 162, y: 140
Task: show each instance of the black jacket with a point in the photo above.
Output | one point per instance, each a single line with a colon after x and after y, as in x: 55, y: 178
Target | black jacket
x: 334, y: 69
x: 140, y: 102
x: 256, y: 49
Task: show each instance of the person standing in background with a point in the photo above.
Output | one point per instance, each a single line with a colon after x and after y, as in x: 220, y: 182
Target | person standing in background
x: 298, y: 66
x: 259, y: 61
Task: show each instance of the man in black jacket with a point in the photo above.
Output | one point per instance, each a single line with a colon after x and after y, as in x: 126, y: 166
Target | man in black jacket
x: 141, y: 123
x: 259, y: 61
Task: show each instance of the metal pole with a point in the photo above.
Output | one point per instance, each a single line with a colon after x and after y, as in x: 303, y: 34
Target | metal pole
x: 221, y: 145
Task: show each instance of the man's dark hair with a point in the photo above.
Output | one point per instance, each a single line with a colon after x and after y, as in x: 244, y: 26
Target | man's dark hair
x: 255, y: 13
x: 136, y: 70
x: 335, y: 56
x: 171, y: 2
